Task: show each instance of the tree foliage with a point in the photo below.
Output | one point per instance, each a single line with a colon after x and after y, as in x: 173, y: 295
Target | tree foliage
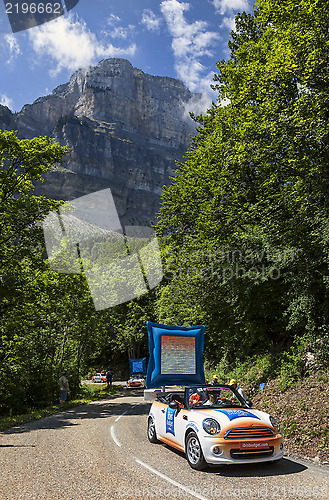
x: 246, y: 218
x: 21, y: 163
x: 48, y: 321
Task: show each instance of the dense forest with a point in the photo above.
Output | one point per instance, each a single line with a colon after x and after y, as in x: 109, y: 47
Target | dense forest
x: 243, y: 227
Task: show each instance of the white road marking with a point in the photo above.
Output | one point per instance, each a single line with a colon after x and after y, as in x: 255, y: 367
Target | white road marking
x: 166, y: 478
x: 118, y: 418
x: 114, y: 438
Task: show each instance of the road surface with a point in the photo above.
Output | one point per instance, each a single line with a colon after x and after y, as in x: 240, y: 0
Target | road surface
x: 101, y: 452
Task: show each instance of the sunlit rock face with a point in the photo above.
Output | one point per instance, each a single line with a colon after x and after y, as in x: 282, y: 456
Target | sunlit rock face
x: 125, y: 129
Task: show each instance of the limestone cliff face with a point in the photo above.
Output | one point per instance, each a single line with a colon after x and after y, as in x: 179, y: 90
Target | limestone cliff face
x: 125, y: 129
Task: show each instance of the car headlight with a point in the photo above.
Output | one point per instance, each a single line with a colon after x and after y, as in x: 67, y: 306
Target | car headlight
x: 275, y: 424
x: 211, y: 426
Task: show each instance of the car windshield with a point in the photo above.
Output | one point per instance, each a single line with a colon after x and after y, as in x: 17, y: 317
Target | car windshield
x: 214, y: 397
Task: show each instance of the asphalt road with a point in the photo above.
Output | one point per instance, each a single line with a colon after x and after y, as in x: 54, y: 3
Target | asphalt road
x: 101, y: 451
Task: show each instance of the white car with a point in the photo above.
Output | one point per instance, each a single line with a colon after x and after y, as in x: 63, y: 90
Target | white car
x: 136, y: 381
x: 214, y: 425
x: 98, y: 378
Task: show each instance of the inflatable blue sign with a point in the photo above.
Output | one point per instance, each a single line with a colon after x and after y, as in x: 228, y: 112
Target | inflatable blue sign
x: 137, y: 365
x: 175, y: 355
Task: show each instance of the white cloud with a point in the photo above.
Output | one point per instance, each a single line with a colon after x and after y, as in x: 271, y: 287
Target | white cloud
x: 197, y: 105
x: 118, y: 31
x: 150, y: 20
x: 6, y: 101
x: 229, y: 6
x: 71, y: 45
x: 191, y: 41
x: 113, y: 19
x: 173, y: 11
x: 228, y: 22
x: 13, y: 46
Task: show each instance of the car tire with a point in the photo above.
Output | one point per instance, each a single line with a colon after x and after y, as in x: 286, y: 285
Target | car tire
x: 151, y: 432
x: 193, y: 452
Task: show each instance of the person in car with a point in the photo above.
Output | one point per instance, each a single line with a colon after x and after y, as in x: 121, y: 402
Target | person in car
x: 212, y: 399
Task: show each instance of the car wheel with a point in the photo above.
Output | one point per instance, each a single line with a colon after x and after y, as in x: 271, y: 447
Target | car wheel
x: 151, y: 432
x: 194, y: 453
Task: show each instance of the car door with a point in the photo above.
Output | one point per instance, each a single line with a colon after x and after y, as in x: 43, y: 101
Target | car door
x: 158, y: 413
x: 175, y: 425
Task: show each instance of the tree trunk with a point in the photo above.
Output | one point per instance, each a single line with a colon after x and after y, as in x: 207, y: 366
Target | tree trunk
x: 63, y: 349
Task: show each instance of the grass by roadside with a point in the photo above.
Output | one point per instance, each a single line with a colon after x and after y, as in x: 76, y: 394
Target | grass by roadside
x: 87, y: 394
x: 303, y: 412
x: 298, y: 400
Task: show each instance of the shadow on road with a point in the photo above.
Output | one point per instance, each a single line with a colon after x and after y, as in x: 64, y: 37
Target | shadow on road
x: 17, y: 445
x: 282, y: 467
x: 112, y: 406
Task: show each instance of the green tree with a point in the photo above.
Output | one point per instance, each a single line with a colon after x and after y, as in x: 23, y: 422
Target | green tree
x: 246, y: 218
x: 48, y: 319
x: 22, y: 162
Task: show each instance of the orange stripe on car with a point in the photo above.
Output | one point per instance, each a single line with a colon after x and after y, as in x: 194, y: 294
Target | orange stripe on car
x: 171, y: 443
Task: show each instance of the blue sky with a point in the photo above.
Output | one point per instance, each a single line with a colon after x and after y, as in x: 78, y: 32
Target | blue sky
x: 181, y: 39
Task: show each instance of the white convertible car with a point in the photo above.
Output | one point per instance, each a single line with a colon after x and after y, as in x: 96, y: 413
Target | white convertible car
x: 214, y: 425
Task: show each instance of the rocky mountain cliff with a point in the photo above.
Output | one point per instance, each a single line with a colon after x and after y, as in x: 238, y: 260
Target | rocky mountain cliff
x: 125, y: 129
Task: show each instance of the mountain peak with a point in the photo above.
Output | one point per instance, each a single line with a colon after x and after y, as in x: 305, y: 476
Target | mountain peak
x: 125, y: 129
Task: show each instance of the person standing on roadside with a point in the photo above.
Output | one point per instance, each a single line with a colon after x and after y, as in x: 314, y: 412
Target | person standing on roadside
x: 109, y: 377
x: 238, y: 389
x: 63, y: 388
